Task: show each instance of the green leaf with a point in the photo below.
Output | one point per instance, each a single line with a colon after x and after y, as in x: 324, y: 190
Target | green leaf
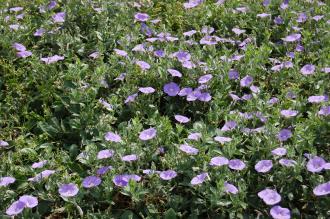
x: 170, y: 214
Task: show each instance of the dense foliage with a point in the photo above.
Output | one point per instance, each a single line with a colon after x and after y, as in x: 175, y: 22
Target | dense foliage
x: 151, y: 109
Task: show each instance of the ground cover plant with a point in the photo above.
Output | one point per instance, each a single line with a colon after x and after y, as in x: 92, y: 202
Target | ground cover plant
x: 164, y: 109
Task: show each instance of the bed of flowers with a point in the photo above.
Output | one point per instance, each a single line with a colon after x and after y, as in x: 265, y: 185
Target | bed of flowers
x: 165, y: 109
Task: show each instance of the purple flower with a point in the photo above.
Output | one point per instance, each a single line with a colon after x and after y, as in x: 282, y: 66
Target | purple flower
x: 292, y: 38
x: 325, y: 70
x: 129, y: 158
x: 322, y: 189
x: 188, y: 149
x: 6, y: 180
x: 209, y: 40
x: 194, y: 95
x: 139, y: 48
x: 42, y: 175
x: 91, y: 181
x: 15, y: 208
x: 147, y: 90
x: 204, y: 97
x: 273, y: 100
x: 236, y: 164
x: 262, y: 15
x: 287, y: 162
x: 307, y: 69
x: 59, y: 17
x: 318, y: 99
x: 246, y: 81
x: 207, y: 30
x: 299, y: 48
x: 19, y: 47
x: 94, y: 55
x: 233, y: 74
x: 52, y: 59
x: 120, y: 52
x: 23, y: 54
x: 181, y: 119
x: 263, y: 166
x: 16, y: 9
x: 39, y: 164
x: 222, y: 139
x: 174, y: 73
x: 278, y: 20
x: 182, y: 56
x: 103, y: 170
x: 194, y: 136
x: 189, y: 33
x: 205, y: 78
x: 269, y: 196
x: 107, y: 105
x: 122, y: 180
x: 110, y: 136
x: 3, y: 143
x: 199, y: 179
x: 277, y: 212
x: 284, y: 5
x: 171, y: 89
x: 185, y: 91
x: 230, y: 125
x: 219, y: 161
x: 143, y: 65
x: 318, y: 17
x: 238, y: 31
x: 302, y: 18
x: 247, y: 97
x: 52, y: 4
x: 29, y: 200
x: 167, y: 175
x: 315, y: 164
x: 230, y: 188
x: 279, y: 151
x: 68, y: 190
x: 324, y: 111
x: 148, y: 134
x: 14, y: 26
x: 39, y: 32
x: 103, y: 154
x: 131, y: 98
x: 141, y: 17
x: 289, y: 113
x: 192, y: 4
x: 159, y: 53
x: 284, y: 134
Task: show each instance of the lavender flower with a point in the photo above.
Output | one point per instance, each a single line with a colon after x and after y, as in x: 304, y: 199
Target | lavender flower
x: 107, y: 105
x: 287, y: 162
x: 222, y: 139
x: 129, y: 158
x: 284, y: 134
x: 23, y: 54
x: 39, y: 164
x: 3, y: 143
x: 103, y: 154
x: 230, y: 188
x: 59, y: 17
x: 94, y: 55
x: 324, y: 111
x: 167, y: 175
x: 322, y: 189
x: 16, y: 9
x: 68, y: 190
x: 110, y: 136
x: 236, y: 164
x: 171, y: 89
x: 143, y: 65
x: 318, y: 99
x: 228, y: 126
x: 279, y: 151
x: 199, y: 179
x: 194, y: 136
x: 269, y: 196
x: 219, y: 161
x: 307, y: 69
x: 143, y: 17
x: 292, y: 38
x: 302, y: 18
x: 188, y: 149
x: 205, y: 78
x: 120, y: 52
x: 148, y: 134
x: 174, y: 73
x: 42, y: 175
x: 315, y: 164
x: 103, y: 170
x: 233, y: 74
x: 39, y: 32
x: 192, y: 4
x: 15, y: 208
x: 185, y: 91
x: 289, y: 113
x: 29, y: 200
x: 263, y: 166
x: 273, y: 100
x: 277, y: 212
x: 131, y: 98
x: 91, y: 181
x: 52, y: 59
x: 181, y: 119
x: 147, y: 90
x: 246, y: 81
x: 122, y: 180
x: 19, y: 47
x: 6, y: 180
